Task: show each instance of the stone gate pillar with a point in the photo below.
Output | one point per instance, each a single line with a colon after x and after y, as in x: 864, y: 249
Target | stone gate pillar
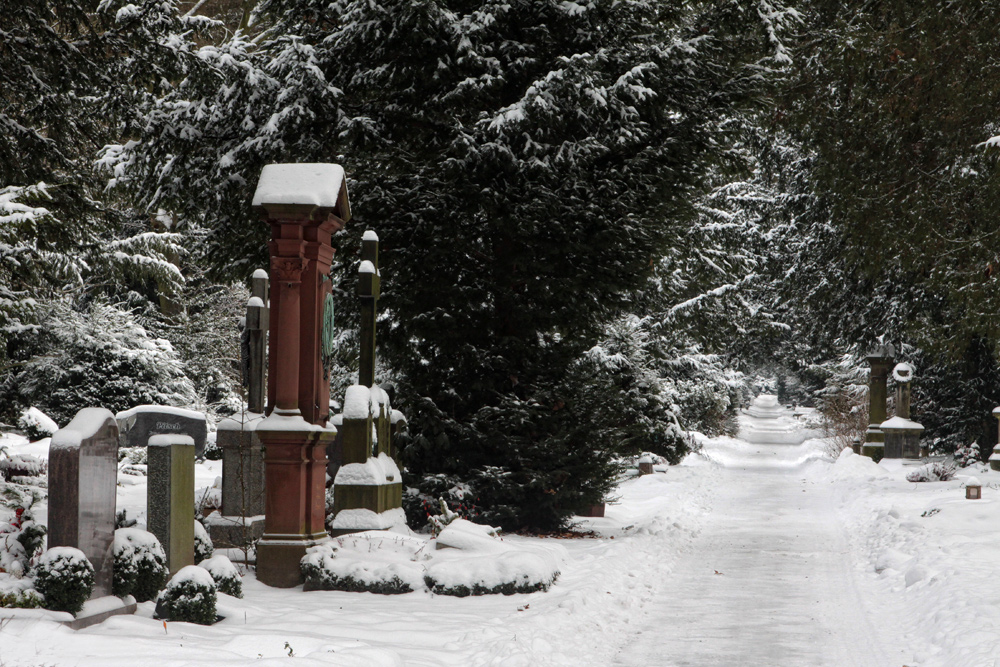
x: 880, y: 361
x: 303, y: 204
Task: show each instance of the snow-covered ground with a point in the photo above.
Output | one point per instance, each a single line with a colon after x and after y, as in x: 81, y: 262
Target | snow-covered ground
x: 746, y: 554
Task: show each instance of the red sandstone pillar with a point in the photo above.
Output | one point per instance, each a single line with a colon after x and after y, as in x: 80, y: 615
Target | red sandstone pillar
x: 304, y: 204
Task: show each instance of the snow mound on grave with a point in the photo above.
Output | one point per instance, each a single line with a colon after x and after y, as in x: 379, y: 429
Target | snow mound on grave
x: 471, y: 559
x: 854, y: 466
x: 372, y: 561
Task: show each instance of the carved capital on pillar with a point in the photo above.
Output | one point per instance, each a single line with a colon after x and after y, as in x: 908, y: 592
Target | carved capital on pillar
x: 288, y: 269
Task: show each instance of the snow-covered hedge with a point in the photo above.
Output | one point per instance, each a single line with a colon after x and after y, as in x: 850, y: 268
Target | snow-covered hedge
x: 224, y: 573
x: 464, y: 559
x: 203, y: 547
x: 29, y: 599
x: 22, y: 465
x: 190, y: 596
x: 373, y: 562
x: 65, y: 578
x: 140, y: 564
x: 472, y: 560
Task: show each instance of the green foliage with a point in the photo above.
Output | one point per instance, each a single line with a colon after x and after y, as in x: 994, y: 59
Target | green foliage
x: 29, y: 599
x: 188, y: 599
x: 506, y: 588
x: 140, y: 566
x: 202, y: 543
x: 319, y: 579
x: 65, y: 578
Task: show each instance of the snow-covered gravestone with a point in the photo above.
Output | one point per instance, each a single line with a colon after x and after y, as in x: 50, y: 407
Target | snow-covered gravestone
x: 880, y: 361
x: 139, y: 423
x: 902, y: 435
x: 170, y: 497
x: 368, y: 489
x: 83, y: 476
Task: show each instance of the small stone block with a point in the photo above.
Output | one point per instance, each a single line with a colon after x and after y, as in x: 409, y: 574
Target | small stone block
x: 645, y: 467
x: 593, y: 511
x: 973, y: 492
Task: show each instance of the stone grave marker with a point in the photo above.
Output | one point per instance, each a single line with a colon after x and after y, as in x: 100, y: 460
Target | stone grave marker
x: 880, y: 361
x: 170, y: 496
x: 137, y: 424
x: 83, y: 476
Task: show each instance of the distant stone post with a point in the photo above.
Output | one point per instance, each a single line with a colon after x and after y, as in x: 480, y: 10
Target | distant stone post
x: 170, y: 497
x: 83, y: 478
x: 880, y: 361
x: 369, y: 290
x: 256, y: 328
x: 303, y: 205
x: 995, y: 456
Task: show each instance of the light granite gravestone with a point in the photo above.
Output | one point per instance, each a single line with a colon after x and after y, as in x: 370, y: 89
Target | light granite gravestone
x: 170, y: 496
x: 139, y: 423
x: 83, y: 476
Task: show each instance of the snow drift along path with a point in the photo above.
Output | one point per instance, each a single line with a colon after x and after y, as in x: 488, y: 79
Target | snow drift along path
x: 770, y: 579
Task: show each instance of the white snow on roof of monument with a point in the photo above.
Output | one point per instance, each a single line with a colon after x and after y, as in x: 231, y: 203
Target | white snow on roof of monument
x: 165, y: 409
x: 260, y: 273
x: 973, y: 481
x: 903, y: 372
x: 168, y: 439
x: 366, y: 267
x: 900, y: 423
x: 369, y: 235
x: 318, y: 184
x: 85, y: 424
x: 255, y: 302
x: 380, y: 470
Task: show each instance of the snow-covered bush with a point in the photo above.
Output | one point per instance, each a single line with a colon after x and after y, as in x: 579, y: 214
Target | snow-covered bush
x: 224, y: 573
x: 65, y: 578
x: 36, y: 424
x: 372, y: 561
x: 22, y: 465
x: 932, y: 472
x: 203, y: 547
x: 20, y: 539
x: 476, y: 561
x: 140, y: 565
x: 29, y: 599
x: 423, y: 501
x: 190, y: 596
x: 967, y: 455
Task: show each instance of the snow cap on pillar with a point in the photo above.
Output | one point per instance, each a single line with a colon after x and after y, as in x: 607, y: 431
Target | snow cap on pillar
x: 320, y: 185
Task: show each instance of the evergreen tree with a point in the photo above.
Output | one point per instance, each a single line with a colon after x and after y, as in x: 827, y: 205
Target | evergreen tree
x: 526, y: 164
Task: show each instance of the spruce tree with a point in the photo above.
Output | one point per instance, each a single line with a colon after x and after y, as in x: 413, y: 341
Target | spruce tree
x: 526, y: 165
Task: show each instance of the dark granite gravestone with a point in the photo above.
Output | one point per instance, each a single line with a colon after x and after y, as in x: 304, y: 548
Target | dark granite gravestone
x: 139, y: 423
x: 170, y: 497
x: 83, y: 475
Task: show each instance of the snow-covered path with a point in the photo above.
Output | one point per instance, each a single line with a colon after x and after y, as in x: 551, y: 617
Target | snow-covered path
x: 769, y: 580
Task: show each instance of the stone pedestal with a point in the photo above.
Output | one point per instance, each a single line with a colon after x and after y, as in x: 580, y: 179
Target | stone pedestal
x: 902, y: 438
x: 241, y: 522
x: 880, y: 361
x: 170, y: 497
x: 83, y: 477
x: 303, y: 205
